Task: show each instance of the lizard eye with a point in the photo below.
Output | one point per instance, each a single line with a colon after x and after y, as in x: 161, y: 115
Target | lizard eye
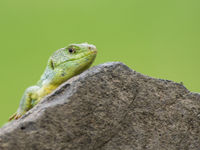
x: 71, y: 50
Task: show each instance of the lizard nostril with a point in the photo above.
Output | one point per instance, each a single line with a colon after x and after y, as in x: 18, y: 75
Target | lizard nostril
x: 92, y: 48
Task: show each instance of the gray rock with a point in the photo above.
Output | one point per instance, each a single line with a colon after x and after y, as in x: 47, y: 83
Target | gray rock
x: 109, y: 107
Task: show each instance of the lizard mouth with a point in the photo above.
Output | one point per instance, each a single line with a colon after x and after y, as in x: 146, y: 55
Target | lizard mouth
x: 91, y: 53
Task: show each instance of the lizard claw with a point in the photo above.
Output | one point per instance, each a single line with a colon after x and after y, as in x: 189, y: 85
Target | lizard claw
x: 15, y: 116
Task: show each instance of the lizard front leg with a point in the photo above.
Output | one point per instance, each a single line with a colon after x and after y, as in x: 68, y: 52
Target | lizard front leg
x: 26, y: 103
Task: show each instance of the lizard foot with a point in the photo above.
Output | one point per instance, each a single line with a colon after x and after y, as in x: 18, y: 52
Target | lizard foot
x: 15, y: 116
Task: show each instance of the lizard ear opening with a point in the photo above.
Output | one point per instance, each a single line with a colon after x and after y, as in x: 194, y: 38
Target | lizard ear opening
x: 51, y: 64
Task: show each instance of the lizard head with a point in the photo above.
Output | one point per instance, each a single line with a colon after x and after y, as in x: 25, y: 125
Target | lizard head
x: 71, y: 60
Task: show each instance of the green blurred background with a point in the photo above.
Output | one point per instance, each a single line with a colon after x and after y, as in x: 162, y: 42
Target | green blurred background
x: 154, y: 37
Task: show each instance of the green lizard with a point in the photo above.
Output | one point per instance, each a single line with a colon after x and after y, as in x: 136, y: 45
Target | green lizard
x: 62, y: 65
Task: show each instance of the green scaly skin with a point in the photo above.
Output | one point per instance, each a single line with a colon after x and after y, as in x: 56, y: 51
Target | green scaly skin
x: 62, y: 65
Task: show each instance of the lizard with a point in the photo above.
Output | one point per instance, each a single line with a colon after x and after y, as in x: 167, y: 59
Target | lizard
x: 62, y: 65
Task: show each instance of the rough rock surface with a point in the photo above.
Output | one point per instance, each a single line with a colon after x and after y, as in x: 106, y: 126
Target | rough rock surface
x: 109, y: 107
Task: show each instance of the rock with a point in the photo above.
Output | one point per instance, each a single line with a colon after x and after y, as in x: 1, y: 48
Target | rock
x: 109, y: 107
